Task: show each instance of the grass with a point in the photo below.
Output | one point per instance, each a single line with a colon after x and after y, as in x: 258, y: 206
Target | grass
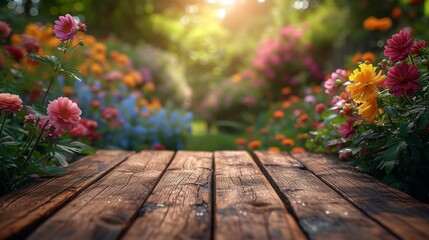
x: 203, y: 139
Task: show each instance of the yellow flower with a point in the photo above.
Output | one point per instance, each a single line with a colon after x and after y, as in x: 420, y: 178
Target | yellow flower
x: 369, y: 109
x: 365, y: 82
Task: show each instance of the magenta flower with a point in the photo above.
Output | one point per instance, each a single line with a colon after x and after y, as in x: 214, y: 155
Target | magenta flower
x: 403, y: 79
x: 10, y: 103
x: 5, y: 29
x: 110, y: 113
x: 65, y: 28
x: 63, y: 113
x: 399, y: 46
x: 346, y: 129
x: 415, y: 49
x: 15, y: 52
x: 30, y: 43
x: 319, y: 108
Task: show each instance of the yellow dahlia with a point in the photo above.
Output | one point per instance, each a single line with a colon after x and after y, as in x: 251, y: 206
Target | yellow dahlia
x: 369, y: 109
x: 365, y: 81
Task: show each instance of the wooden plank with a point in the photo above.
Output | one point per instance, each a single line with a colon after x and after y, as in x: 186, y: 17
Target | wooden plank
x: 321, y: 212
x: 24, y: 209
x: 246, y: 206
x: 180, y: 206
x: 108, y: 206
x: 403, y: 215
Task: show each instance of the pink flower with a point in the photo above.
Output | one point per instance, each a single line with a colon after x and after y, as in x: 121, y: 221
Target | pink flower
x: 346, y: 129
x: 15, y: 52
x: 403, y: 79
x: 331, y: 83
x: 415, y: 49
x: 10, y: 103
x: 64, y: 113
x: 114, y: 75
x: 319, y: 108
x: 81, y: 27
x: 399, y: 46
x: 110, y: 113
x: 65, y: 28
x: 5, y: 29
x: 30, y: 43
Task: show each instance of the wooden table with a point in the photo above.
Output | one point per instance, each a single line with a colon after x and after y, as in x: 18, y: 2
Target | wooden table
x: 205, y: 195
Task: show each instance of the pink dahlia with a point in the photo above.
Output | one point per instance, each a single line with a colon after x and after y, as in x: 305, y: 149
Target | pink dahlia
x: 63, y: 113
x: 4, y: 29
x: 65, y: 28
x: 415, y: 49
x: 10, y: 103
x: 399, y: 46
x: 403, y: 79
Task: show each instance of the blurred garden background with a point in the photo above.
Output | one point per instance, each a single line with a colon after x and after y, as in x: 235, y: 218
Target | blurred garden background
x: 228, y: 74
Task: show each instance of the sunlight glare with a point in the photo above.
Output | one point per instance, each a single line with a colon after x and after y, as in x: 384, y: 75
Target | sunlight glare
x: 221, y: 13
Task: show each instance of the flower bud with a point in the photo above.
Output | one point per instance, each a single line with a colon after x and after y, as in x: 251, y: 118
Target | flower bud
x: 81, y: 42
x: 424, y: 62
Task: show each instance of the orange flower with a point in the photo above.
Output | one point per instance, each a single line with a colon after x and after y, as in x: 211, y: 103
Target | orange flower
x: 96, y: 69
x: 396, y: 12
x: 384, y: 24
x: 254, y: 144
x: 303, y: 117
x: 368, y: 56
x: 317, y: 89
x: 150, y: 86
x: 273, y: 149
x: 299, y: 125
x: 294, y: 99
x: 370, y: 23
x: 298, y: 150
x: 143, y: 102
x: 67, y: 91
x: 356, y: 58
x: 286, y: 90
x: 155, y: 104
x: 236, y: 77
x: 288, y: 142
x: 280, y: 137
x: 240, y: 141
x: 278, y: 114
x: 286, y: 104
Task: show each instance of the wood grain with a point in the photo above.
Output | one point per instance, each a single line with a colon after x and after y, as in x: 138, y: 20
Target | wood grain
x: 24, y: 209
x: 108, y: 206
x: 246, y: 206
x: 403, y: 215
x: 321, y: 212
x: 180, y: 206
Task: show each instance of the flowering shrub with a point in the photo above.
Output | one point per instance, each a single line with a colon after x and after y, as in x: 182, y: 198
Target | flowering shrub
x: 119, y: 101
x: 379, y: 119
x: 33, y: 137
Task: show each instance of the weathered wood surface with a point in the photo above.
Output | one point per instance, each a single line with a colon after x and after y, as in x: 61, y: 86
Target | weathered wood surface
x: 204, y: 195
x: 247, y: 207
x: 180, y: 205
x: 108, y: 206
x: 24, y: 209
x: 322, y: 212
x: 403, y: 215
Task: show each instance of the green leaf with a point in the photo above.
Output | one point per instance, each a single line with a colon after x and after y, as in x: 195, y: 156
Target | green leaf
x: 61, y: 158
x: 38, y: 110
x: 50, y: 60
x: 54, y: 170
x: 391, y: 111
x: 76, y: 147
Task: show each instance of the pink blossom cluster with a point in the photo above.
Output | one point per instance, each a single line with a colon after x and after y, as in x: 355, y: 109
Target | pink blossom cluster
x: 333, y: 83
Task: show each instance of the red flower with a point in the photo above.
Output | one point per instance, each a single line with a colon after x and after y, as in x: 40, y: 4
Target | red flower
x: 346, y: 129
x: 110, y: 113
x: 403, y: 79
x: 4, y: 29
x: 415, y: 49
x: 399, y: 46
x: 15, y: 52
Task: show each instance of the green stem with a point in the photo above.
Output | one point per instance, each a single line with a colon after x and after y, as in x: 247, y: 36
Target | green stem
x: 3, y: 123
x: 35, y: 144
x: 51, y: 80
x: 411, y: 59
